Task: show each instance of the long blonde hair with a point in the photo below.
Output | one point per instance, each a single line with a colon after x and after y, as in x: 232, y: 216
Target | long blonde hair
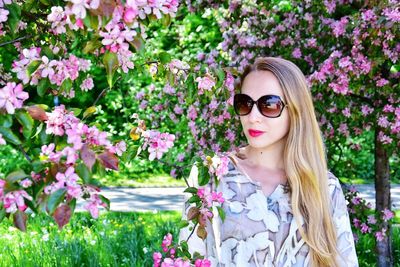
x: 304, y: 161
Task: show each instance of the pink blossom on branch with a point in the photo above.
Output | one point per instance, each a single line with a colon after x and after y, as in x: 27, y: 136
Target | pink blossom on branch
x: 12, y: 97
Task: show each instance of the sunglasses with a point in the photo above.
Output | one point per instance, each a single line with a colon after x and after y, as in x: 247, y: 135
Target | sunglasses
x: 270, y: 106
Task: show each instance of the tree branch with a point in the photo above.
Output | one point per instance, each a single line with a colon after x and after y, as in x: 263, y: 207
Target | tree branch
x: 194, y: 228
x: 15, y: 40
x: 25, y: 154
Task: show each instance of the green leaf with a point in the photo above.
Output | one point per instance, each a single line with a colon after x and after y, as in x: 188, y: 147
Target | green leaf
x: 110, y: 61
x: 221, y: 213
x: 6, y: 120
x: 89, y: 111
x: 47, y: 52
x: 66, y: 85
x: 42, y: 87
x: 183, y: 224
x: 55, y: 199
x: 204, y: 175
x: 165, y: 57
x: 76, y: 111
x: 2, y: 213
x: 16, y: 176
x: 91, y: 46
x: 33, y: 66
x: 194, y: 199
x: 72, y: 204
x: 192, y: 190
x: 14, y: 17
x: 105, y: 201
x: 26, y: 121
x: 10, y: 136
x: 83, y: 172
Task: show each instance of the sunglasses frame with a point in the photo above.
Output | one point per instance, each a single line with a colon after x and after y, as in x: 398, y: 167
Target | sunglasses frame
x: 284, y: 105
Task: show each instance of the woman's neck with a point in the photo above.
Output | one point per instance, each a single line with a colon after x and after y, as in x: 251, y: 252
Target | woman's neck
x: 270, y: 158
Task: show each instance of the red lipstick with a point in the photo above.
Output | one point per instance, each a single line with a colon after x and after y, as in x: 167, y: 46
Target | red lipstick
x: 255, y: 133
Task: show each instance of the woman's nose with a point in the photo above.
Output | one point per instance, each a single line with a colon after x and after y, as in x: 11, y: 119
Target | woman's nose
x: 254, y: 114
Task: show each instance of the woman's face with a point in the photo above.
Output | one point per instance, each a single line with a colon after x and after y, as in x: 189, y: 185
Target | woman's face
x: 255, y: 85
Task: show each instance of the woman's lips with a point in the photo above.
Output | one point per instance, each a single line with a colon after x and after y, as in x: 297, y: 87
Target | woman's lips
x: 255, y: 133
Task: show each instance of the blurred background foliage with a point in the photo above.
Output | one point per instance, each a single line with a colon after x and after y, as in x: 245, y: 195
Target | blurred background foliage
x: 187, y: 37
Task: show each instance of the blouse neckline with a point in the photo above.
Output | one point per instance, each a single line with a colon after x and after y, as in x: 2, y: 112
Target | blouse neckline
x: 276, y: 193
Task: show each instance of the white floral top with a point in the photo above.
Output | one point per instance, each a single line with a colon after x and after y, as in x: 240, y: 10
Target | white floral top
x: 260, y: 230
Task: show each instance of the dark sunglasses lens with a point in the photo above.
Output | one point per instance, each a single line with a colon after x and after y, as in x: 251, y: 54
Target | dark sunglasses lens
x: 270, y: 106
x: 242, y: 104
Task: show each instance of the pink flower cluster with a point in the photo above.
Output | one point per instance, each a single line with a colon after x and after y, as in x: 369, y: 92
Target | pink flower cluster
x: 218, y: 166
x: 171, y: 260
x: 61, y: 122
x: 12, y: 97
x: 57, y: 71
x: 67, y: 180
x: 93, y: 205
x: 205, y: 83
x: 366, y: 224
x: 157, y: 143
x: 13, y: 201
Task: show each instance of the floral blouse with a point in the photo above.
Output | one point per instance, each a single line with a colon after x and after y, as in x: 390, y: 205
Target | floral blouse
x: 260, y: 230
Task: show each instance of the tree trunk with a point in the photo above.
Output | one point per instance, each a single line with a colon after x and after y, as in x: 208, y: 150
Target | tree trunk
x: 382, y: 200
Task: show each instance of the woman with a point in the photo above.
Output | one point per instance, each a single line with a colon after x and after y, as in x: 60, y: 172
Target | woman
x: 283, y: 207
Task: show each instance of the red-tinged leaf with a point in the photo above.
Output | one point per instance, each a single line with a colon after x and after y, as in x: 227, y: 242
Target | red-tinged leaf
x: 88, y: 156
x: 62, y: 215
x: 109, y: 160
x: 37, y: 113
x: 201, y: 232
x: 19, y: 220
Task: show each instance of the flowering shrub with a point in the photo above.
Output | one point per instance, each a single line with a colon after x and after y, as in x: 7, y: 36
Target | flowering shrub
x: 364, y: 219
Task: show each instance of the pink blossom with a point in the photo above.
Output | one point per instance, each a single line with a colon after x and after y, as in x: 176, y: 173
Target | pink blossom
x: 371, y: 219
x: 124, y: 59
x: 87, y: 84
x: 2, y: 185
x: 12, y: 97
x: 79, y: 6
x: 380, y: 235
x: 167, y: 241
x: 366, y: 110
x: 356, y: 200
x: 157, y: 143
x: 381, y: 82
x: 356, y: 222
x: 296, y: 53
x: 346, y: 112
x: 202, y: 263
x: 14, y: 201
x: 5, y: 2
x: 2, y: 141
x: 384, y: 139
x: 217, y: 197
x: 383, y: 121
x: 392, y: 14
x: 26, y: 183
x: 157, y: 259
x: 3, y: 15
x: 387, y: 214
x: 131, y: 13
x: 365, y: 228
x: 92, y: 205
x: 205, y: 83
x: 339, y: 27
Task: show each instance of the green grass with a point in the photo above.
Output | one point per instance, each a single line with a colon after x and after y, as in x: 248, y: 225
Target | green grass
x: 154, y: 180
x: 115, y: 239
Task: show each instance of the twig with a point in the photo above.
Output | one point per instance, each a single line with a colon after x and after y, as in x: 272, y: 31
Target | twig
x: 15, y: 40
x: 180, y: 169
x: 99, y: 96
x: 194, y: 227
x: 24, y: 152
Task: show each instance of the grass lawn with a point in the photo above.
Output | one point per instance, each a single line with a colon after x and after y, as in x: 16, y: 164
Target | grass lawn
x: 115, y: 239
x: 153, y: 180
